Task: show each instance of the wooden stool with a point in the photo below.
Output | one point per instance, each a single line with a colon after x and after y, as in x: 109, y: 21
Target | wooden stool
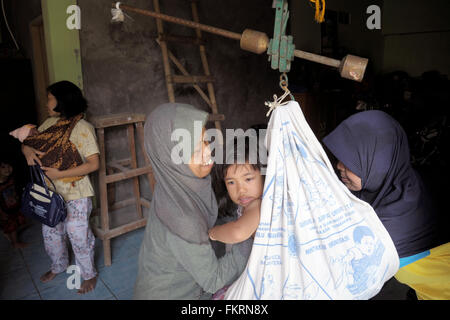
x: 117, y: 171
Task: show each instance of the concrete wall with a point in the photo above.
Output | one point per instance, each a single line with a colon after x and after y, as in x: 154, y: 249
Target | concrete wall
x: 123, y: 69
x: 122, y: 63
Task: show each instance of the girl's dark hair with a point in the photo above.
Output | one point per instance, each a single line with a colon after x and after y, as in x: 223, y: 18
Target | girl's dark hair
x: 70, y: 99
x: 226, y: 206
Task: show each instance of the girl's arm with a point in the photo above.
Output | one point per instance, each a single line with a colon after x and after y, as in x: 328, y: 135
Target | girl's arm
x: 241, y: 229
x: 92, y: 164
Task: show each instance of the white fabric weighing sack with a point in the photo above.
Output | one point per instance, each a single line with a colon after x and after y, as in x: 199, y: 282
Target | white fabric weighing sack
x: 315, y: 239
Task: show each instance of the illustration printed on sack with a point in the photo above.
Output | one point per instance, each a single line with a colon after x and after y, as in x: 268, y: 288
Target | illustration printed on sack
x: 360, y: 263
x: 314, y: 240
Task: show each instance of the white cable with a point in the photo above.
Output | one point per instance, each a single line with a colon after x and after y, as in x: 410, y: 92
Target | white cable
x: 7, y: 26
x: 118, y: 15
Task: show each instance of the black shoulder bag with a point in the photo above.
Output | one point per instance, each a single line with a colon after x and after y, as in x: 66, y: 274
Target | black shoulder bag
x: 41, y: 203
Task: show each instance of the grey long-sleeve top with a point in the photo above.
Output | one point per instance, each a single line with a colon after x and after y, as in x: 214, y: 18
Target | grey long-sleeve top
x: 171, y: 268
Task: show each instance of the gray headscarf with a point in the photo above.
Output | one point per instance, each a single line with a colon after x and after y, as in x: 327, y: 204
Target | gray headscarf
x: 183, y: 202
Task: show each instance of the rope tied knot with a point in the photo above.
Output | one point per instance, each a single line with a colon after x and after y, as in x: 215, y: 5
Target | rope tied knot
x: 276, y: 102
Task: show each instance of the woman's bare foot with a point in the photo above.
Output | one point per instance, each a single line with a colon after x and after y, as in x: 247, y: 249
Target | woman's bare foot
x: 48, y: 276
x: 87, y: 285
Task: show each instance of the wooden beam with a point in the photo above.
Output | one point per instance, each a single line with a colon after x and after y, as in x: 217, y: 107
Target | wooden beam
x: 122, y: 204
x: 216, y: 117
x: 191, y: 79
x: 145, y: 203
x: 165, y: 56
x: 209, y: 85
x: 116, y: 119
x: 116, y: 166
x: 181, y: 39
x: 180, y: 67
x: 131, y: 173
x: 112, y: 233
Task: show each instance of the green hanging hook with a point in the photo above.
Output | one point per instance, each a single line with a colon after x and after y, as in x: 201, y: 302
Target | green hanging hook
x: 281, y: 47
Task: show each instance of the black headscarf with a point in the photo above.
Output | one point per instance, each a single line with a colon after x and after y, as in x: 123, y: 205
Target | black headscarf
x: 375, y: 147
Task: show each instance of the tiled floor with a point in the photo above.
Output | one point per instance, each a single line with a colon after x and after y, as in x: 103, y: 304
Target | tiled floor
x: 20, y: 270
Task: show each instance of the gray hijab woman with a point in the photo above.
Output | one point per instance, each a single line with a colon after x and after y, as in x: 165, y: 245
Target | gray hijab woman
x: 176, y: 259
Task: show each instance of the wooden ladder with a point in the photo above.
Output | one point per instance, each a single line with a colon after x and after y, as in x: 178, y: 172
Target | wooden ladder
x: 185, y: 77
x: 119, y: 170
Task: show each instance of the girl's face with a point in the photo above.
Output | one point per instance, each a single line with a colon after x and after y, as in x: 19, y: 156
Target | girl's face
x: 201, y: 162
x: 51, y: 104
x: 351, y: 180
x: 244, y: 184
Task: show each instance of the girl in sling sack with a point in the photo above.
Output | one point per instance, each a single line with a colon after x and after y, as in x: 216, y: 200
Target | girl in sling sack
x: 66, y: 149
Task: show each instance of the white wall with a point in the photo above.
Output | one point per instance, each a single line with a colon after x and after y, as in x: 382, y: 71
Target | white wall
x: 416, y: 36
x: 356, y: 37
x: 407, y: 16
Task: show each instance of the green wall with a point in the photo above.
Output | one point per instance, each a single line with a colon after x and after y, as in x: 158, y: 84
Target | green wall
x: 62, y: 44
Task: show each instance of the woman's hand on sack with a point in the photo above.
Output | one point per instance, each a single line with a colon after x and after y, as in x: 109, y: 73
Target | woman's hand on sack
x: 32, y: 155
x: 53, y: 173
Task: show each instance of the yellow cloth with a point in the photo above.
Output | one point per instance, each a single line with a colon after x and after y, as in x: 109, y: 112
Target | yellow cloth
x: 84, y: 138
x: 320, y: 10
x: 429, y: 276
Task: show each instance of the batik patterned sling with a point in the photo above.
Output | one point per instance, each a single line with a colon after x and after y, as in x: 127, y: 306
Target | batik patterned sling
x: 60, y: 152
